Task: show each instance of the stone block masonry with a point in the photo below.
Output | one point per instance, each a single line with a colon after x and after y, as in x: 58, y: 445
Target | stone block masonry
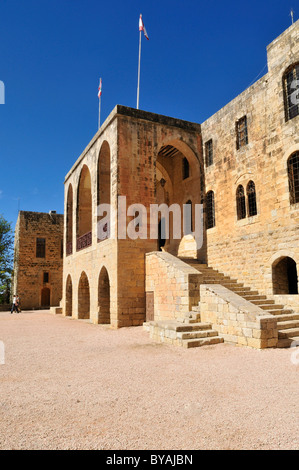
x: 236, y: 320
x: 38, y: 259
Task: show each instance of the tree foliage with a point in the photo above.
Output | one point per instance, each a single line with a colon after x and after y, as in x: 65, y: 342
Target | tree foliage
x: 6, y: 259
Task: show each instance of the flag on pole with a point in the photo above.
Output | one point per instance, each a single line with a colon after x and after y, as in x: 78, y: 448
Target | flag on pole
x: 142, y: 27
x: 100, y: 89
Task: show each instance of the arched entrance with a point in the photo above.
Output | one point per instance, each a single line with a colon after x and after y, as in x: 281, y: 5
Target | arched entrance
x: 104, y: 297
x: 69, y: 297
x: 285, y: 276
x: 178, y: 182
x: 103, y: 190
x: 83, y: 298
x: 45, y: 297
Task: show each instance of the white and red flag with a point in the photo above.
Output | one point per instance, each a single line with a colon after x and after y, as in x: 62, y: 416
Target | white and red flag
x: 100, y: 89
x: 142, y: 27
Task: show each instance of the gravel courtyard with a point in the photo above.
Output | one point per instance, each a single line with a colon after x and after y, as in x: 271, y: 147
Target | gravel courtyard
x: 68, y: 384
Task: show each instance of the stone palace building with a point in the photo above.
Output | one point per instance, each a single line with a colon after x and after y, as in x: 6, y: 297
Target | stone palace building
x: 240, y: 284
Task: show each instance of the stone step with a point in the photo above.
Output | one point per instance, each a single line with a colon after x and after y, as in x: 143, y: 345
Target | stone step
x: 290, y: 333
x: 285, y: 343
x: 289, y: 324
x: 287, y: 317
x: 283, y: 311
x: 193, y: 327
x: 250, y: 298
x: 261, y: 302
x: 197, y: 334
x: 195, y: 343
x: 270, y: 306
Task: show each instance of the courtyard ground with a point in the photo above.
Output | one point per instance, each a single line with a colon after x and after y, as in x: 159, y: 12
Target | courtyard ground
x: 68, y: 384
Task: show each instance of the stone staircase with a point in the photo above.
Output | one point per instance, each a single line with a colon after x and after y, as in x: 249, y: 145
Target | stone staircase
x: 188, y: 332
x: 287, y: 320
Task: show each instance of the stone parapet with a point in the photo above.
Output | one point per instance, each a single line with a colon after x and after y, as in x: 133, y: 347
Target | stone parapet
x: 237, y: 320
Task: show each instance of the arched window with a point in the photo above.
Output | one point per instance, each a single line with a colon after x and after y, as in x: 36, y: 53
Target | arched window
x: 186, y: 168
x: 69, y: 221
x: 188, y: 218
x: 293, y: 174
x: 241, y: 203
x: 210, y: 208
x: 291, y: 91
x: 103, y: 191
x: 84, y: 210
x: 251, y: 195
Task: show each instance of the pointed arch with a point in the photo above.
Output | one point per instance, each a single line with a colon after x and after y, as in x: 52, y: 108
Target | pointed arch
x: 83, y: 297
x: 69, y: 221
x: 84, y: 209
x: 104, y: 297
x: 69, y: 297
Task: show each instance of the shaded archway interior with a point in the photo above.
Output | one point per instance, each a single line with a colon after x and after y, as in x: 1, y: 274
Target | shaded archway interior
x: 285, y: 277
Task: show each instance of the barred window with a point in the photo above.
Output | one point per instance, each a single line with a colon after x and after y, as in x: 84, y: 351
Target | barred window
x: 40, y: 247
x: 46, y: 278
x: 210, y: 209
x: 209, y: 152
x: 186, y: 168
x: 242, y: 132
x: 241, y: 203
x: 251, y: 195
x: 291, y: 92
x: 293, y: 174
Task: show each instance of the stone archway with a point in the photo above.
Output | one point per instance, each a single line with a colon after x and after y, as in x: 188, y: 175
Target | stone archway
x: 83, y: 298
x: 285, y: 276
x: 84, y: 210
x: 178, y: 176
x: 104, y: 297
x: 69, y: 297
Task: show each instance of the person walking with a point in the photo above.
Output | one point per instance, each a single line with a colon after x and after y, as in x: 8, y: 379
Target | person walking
x: 14, y: 306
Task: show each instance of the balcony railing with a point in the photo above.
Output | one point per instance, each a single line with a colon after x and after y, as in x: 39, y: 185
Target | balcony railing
x: 84, y: 241
x: 69, y: 248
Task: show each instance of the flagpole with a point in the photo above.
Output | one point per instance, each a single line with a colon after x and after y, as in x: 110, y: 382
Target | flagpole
x: 100, y: 112
x: 138, y: 85
x: 100, y: 98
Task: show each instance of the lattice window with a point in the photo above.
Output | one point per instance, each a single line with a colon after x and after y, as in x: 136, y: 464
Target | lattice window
x: 242, y: 132
x: 251, y: 195
x: 186, y: 168
x: 40, y: 247
x: 241, y: 203
x: 293, y: 174
x: 210, y: 209
x: 291, y: 92
x: 209, y: 152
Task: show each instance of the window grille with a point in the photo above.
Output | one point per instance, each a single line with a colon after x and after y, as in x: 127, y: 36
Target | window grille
x: 242, y: 132
x: 251, y: 195
x: 209, y: 152
x: 241, y: 203
x: 291, y: 85
x: 293, y: 175
x: 210, y: 209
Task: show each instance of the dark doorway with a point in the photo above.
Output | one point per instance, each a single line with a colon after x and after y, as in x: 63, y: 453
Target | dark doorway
x: 45, y: 300
x: 161, y: 234
x: 292, y: 276
x: 285, y: 277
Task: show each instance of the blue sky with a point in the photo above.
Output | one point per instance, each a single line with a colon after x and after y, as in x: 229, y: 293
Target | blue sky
x: 201, y: 54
